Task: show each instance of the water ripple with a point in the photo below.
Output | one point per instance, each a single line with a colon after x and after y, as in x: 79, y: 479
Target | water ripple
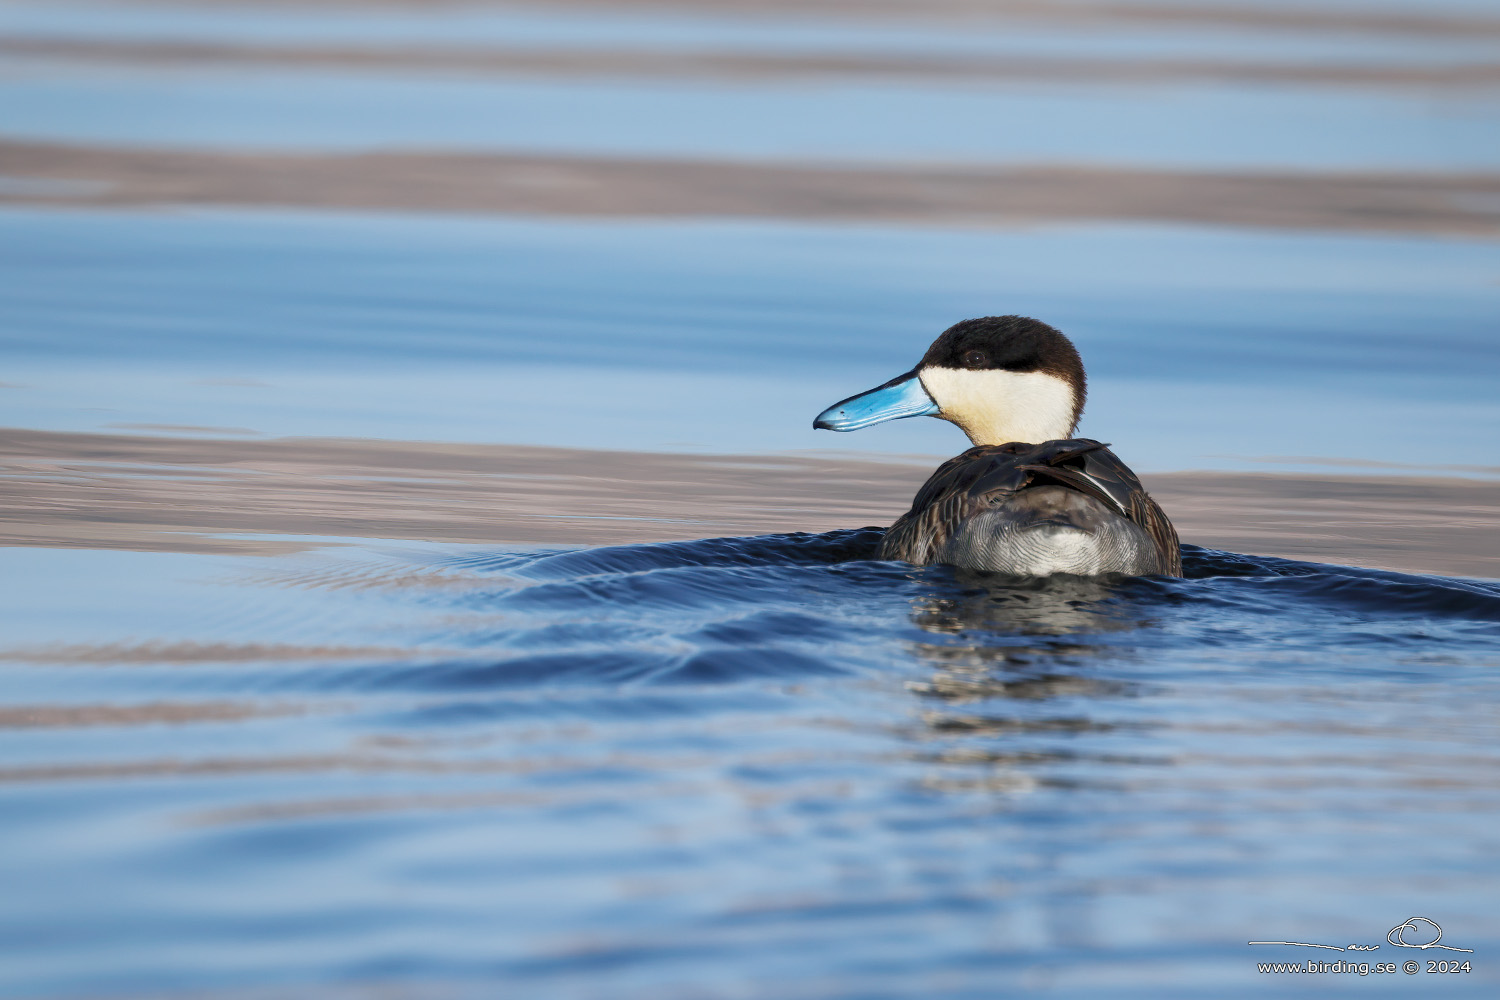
x: 655, y: 756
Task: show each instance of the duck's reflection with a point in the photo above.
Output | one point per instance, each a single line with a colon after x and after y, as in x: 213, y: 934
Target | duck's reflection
x: 1016, y: 652
x: 1055, y: 606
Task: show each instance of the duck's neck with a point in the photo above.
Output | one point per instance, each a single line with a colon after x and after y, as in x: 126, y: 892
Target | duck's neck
x: 993, y: 406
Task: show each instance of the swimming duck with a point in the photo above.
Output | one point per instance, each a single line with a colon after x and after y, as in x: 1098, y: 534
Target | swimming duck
x: 1028, y: 499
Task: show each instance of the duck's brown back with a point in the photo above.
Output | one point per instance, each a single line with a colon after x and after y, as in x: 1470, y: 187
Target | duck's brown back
x: 984, y: 479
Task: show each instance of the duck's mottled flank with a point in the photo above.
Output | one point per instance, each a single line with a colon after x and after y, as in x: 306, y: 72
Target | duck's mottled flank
x: 991, y: 479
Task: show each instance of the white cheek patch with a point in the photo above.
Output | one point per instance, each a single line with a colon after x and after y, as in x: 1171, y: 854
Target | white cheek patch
x: 994, y: 406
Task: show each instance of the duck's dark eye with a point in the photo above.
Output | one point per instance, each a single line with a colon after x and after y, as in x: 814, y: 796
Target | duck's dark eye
x: 975, y: 359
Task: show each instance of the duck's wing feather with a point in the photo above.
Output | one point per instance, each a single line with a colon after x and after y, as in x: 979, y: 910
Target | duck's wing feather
x: 1098, y: 472
x: 988, y: 475
x: 958, y: 489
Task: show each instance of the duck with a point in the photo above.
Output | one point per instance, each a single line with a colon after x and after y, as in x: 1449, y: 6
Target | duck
x: 1028, y: 499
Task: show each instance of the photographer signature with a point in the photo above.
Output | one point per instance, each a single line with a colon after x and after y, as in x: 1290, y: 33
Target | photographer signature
x: 1396, y: 937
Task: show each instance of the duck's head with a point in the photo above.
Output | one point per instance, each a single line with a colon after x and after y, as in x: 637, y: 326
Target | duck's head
x: 1000, y: 379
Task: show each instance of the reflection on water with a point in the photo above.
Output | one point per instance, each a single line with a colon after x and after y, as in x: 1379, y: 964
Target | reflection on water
x: 1029, y: 640
x: 1012, y: 634
x: 294, y: 717
x: 1046, y: 606
x: 1017, y: 639
x: 731, y: 760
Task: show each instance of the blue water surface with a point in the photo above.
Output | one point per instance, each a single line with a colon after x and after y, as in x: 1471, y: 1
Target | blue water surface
x: 720, y: 28
x: 1206, y: 348
x: 1223, y: 126
x: 745, y: 766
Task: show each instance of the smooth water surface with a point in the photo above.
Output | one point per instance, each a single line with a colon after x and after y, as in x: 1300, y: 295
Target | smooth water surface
x: 700, y: 28
x: 841, y: 122
x: 855, y: 117
x: 1205, y: 348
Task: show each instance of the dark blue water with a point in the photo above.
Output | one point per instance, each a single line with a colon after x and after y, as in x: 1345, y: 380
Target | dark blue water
x: 742, y: 766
